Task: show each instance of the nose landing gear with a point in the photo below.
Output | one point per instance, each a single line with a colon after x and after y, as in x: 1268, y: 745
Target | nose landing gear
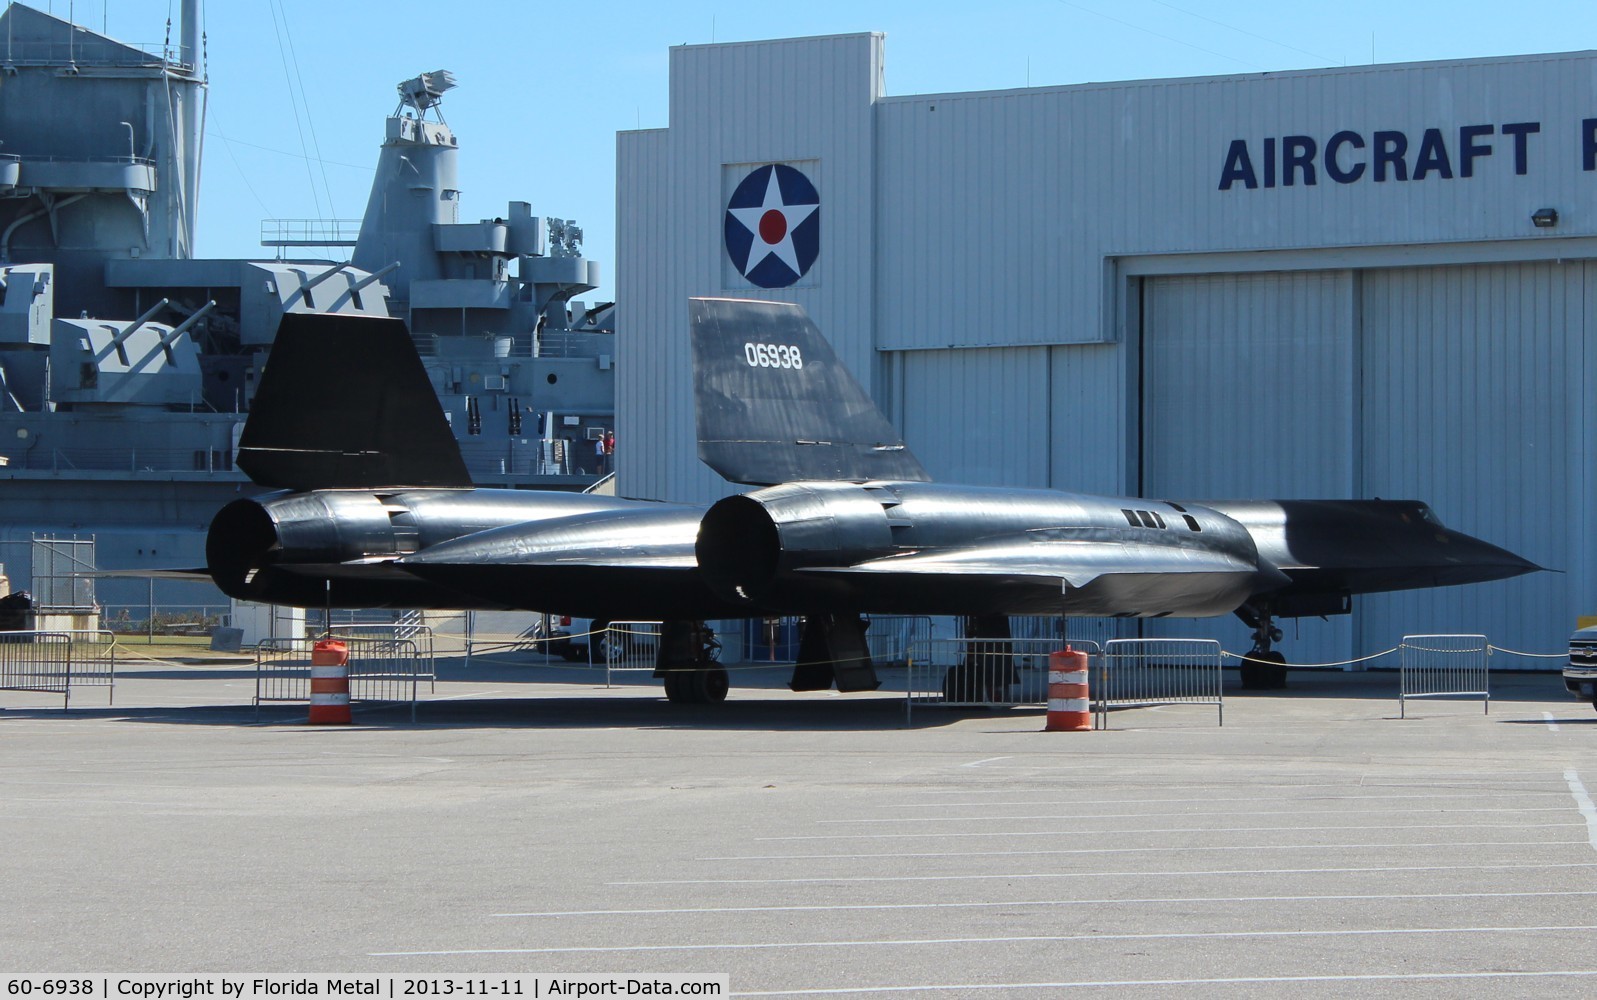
x: 1263, y: 669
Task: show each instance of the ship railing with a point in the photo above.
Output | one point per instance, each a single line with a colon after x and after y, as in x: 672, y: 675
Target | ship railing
x: 309, y: 232
x: 143, y: 161
x: 91, y: 51
x: 133, y: 460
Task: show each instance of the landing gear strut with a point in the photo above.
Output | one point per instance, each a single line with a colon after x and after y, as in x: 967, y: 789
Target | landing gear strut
x: 1263, y: 669
x: 832, y: 649
x: 686, y: 662
x: 985, y: 673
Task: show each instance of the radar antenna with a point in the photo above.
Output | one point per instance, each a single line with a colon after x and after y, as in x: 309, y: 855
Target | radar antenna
x: 425, y: 91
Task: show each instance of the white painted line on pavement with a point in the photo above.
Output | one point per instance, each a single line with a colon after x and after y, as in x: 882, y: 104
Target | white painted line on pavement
x: 1018, y: 939
x: 1313, y: 799
x: 1017, y: 876
x: 1584, y: 803
x: 1239, y: 980
x: 1073, y: 901
x: 1223, y: 812
x: 1155, y: 850
x: 989, y: 760
x: 1157, y: 829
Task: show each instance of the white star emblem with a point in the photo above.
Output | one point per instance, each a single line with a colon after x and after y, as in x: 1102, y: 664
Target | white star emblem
x: 772, y: 224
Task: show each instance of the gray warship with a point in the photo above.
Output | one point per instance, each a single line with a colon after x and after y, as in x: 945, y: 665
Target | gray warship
x: 127, y: 364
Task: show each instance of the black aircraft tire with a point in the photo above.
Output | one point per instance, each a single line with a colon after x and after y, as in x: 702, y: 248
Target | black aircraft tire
x: 697, y: 687
x: 709, y: 687
x: 1267, y: 676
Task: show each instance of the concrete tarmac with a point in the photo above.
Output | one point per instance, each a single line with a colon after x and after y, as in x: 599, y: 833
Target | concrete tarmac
x: 809, y: 844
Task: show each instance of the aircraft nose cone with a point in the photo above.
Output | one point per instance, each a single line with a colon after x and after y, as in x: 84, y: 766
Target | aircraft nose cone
x: 1482, y: 560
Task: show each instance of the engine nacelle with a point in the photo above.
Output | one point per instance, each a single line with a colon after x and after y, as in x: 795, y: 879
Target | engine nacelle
x: 337, y: 547
x: 249, y: 536
x: 749, y: 545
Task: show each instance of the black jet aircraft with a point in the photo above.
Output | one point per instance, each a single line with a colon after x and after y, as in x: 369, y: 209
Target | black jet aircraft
x: 847, y: 522
x: 346, y: 430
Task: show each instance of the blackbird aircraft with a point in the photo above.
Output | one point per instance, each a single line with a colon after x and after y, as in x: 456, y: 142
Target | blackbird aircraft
x: 377, y: 510
x: 347, y: 431
x: 848, y: 522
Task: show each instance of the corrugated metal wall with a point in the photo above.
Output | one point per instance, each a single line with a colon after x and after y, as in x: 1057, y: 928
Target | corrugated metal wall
x: 797, y: 100
x: 1247, y: 392
x: 1459, y: 386
x: 1474, y: 387
x: 974, y: 269
x: 643, y: 197
x: 1246, y: 384
x: 997, y: 209
x: 979, y: 416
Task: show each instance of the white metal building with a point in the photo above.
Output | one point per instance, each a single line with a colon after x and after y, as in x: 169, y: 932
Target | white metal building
x: 1312, y: 284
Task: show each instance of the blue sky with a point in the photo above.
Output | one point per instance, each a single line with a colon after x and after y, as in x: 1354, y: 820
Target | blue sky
x: 299, y: 89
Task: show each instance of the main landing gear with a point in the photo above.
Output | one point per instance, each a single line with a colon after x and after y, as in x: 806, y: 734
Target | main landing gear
x: 686, y: 660
x: 832, y: 650
x: 986, y: 671
x: 1263, y: 669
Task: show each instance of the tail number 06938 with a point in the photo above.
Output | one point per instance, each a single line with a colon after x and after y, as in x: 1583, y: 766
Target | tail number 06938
x: 773, y: 356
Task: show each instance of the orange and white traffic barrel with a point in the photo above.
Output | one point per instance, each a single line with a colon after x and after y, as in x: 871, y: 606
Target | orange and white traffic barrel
x: 330, y: 683
x: 1069, y: 708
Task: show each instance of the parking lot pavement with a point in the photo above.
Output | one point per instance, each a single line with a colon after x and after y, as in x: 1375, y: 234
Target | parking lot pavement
x: 533, y: 821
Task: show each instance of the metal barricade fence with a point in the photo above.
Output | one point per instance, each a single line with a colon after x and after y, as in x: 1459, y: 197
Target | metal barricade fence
x: 382, y: 639
x: 890, y: 638
x: 93, y: 659
x: 629, y: 646
x: 37, y: 661
x: 981, y: 673
x: 1444, y: 666
x: 1142, y: 673
x: 380, y: 670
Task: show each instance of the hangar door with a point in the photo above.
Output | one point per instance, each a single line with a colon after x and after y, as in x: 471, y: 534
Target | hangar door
x: 1473, y: 401
x: 1457, y: 385
x: 1247, y: 386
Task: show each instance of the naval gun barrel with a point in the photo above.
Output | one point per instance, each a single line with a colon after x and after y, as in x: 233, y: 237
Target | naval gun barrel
x: 149, y: 314
x: 310, y: 283
x: 374, y: 276
x: 355, y: 288
x: 182, y: 328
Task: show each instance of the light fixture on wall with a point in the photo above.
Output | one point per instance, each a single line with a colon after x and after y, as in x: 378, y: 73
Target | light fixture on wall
x: 1544, y: 218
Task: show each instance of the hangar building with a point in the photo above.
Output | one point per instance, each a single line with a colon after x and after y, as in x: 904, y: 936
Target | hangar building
x: 1374, y: 281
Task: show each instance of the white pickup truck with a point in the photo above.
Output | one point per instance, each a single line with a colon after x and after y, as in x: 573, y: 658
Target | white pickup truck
x: 1580, y: 673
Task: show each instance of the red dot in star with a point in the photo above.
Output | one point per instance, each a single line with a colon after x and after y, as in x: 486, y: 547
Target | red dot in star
x: 773, y: 226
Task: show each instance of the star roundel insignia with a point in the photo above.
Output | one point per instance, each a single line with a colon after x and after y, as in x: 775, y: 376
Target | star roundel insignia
x: 773, y: 226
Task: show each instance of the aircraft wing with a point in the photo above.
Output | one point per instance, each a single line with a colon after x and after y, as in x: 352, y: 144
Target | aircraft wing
x: 200, y: 574
x: 637, y: 563
x: 1077, y: 563
x: 648, y: 537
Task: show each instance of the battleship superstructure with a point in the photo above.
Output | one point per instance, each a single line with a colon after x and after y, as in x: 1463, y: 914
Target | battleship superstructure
x: 127, y: 364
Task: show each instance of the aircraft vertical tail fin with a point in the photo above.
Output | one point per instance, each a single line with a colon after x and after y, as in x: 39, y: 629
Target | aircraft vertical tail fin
x: 774, y: 404
x: 344, y: 403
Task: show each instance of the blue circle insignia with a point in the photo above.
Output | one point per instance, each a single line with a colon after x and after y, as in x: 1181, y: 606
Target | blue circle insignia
x: 773, y: 226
